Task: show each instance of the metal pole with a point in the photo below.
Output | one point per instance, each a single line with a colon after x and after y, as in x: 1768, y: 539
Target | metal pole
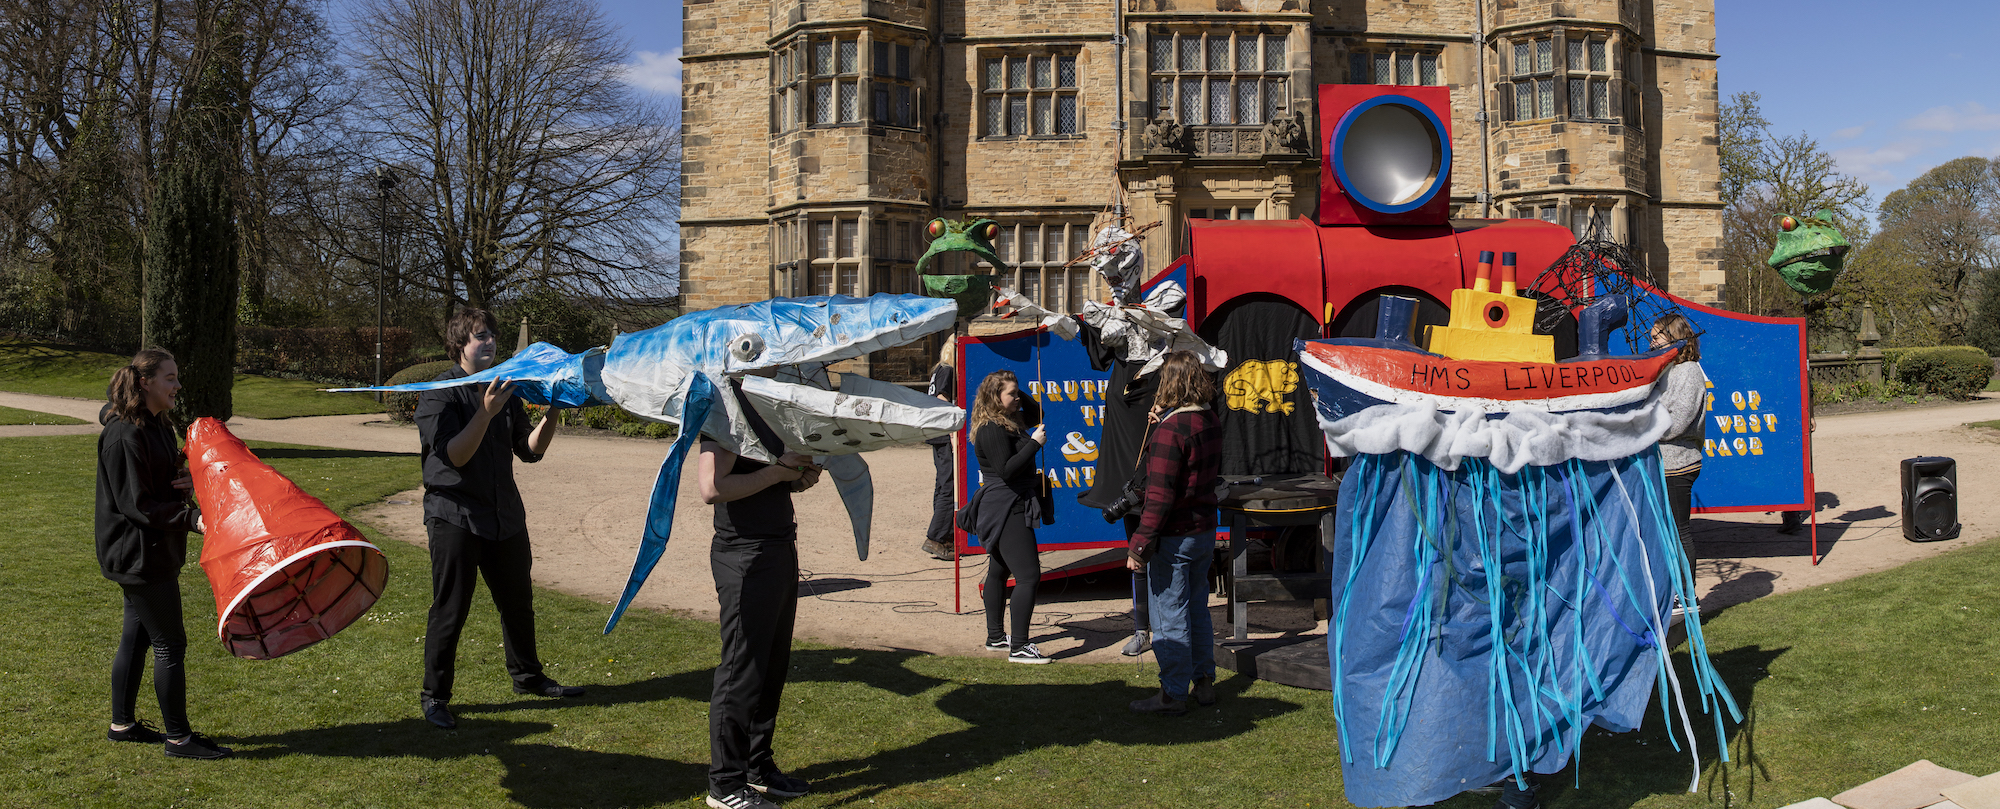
x: 385, y: 179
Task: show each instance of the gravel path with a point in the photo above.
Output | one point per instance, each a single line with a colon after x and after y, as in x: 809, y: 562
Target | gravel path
x: 586, y: 501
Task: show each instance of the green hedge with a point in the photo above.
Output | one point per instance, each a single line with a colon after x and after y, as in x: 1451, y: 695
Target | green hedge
x: 1956, y: 372
x: 403, y: 406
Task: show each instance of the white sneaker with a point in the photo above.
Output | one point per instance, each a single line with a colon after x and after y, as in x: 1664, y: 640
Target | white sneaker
x: 1141, y: 641
x: 1027, y: 653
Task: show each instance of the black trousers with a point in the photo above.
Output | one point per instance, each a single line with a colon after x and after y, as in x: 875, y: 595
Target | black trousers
x: 1680, y: 497
x: 943, y: 499
x: 757, y: 589
x: 152, y: 621
x: 458, y: 559
x: 1012, y: 553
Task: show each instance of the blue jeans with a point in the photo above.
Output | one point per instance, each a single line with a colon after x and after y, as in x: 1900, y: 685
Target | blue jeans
x: 1183, y: 634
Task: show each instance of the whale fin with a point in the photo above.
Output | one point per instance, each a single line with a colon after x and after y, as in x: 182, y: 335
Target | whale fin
x: 666, y: 490
x: 857, y: 492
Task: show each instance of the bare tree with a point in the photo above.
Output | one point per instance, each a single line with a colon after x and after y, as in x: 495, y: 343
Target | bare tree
x: 532, y: 163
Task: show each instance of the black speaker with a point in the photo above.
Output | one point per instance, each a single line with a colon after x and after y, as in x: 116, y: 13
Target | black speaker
x: 1930, y: 499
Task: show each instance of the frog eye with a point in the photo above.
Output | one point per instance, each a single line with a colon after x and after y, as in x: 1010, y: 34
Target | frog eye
x: 747, y: 347
x: 935, y: 228
x: 989, y: 232
x: 1788, y: 223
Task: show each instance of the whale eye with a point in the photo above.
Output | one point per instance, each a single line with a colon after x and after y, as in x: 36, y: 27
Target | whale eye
x: 935, y: 228
x: 1788, y: 223
x: 747, y: 348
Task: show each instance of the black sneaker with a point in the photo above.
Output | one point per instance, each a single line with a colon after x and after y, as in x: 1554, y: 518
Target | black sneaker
x: 195, y: 745
x: 779, y: 785
x: 1000, y: 644
x: 138, y: 732
x: 546, y: 687
x: 436, y: 713
x: 1027, y: 653
x: 745, y: 798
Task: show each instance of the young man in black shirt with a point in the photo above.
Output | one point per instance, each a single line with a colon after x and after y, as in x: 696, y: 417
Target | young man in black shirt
x: 473, y: 513
x: 755, y: 561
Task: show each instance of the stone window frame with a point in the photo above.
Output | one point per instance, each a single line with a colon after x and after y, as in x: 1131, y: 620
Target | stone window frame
x: 786, y: 244
x: 1589, y: 69
x: 1180, y: 58
x: 892, y: 252
x: 1372, y: 64
x: 1030, y: 82
x: 1235, y: 210
x: 1582, y: 213
x: 1530, y: 65
x: 1547, y: 210
x: 833, y: 257
x: 1031, y: 276
x: 1633, y: 75
x: 833, y: 68
x: 895, y: 99
x: 859, y: 93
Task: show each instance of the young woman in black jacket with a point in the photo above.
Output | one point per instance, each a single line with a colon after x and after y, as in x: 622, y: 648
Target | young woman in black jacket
x: 1005, y: 509
x: 144, y: 512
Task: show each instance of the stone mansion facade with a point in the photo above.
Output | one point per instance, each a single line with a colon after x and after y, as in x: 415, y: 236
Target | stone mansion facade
x: 821, y: 135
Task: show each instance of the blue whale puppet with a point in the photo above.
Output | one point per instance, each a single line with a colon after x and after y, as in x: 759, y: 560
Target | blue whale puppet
x: 774, y: 353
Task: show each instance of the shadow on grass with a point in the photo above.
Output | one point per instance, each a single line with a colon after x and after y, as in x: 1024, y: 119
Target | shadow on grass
x: 267, y: 453
x: 1003, y: 719
x: 1007, y: 719
x: 538, y: 775
x: 1624, y: 769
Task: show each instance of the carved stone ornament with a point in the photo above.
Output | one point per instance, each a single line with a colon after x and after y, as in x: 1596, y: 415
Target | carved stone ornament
x: 1285, y: 134
x: 1164, y: 135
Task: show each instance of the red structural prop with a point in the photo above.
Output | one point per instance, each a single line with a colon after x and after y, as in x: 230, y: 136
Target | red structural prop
x: 287, y: 572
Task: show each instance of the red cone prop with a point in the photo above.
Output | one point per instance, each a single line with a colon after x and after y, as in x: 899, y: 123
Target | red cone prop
x: 287, y: 572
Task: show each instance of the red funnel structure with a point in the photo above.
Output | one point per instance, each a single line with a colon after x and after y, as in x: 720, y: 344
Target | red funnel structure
x: 287, y: 572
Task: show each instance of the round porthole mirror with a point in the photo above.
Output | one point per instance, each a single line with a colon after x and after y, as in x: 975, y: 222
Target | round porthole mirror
x: 1390, y: 153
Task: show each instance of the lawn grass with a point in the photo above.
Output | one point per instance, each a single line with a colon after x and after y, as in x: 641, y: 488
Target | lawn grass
x: 1842, y: 683
x: 12, y: 416
x: 56, y: 370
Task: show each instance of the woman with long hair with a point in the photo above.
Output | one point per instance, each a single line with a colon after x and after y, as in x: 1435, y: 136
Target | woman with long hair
x: 1005, y: 509
x: 1680, y: 450
x: 144, y: 513
x: 1175, y: 542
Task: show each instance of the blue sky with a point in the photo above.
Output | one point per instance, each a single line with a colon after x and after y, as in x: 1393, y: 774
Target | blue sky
x: 1890, y: 89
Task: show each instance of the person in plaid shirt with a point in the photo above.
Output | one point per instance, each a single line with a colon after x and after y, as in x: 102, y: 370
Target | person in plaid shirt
x: 1175, y: 542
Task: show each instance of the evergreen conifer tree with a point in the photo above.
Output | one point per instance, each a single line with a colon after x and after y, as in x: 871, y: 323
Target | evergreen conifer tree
x: 191, y: 243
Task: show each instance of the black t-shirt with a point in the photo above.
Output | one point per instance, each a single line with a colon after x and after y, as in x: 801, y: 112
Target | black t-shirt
x: 480, y: 496
x: 761, y: 517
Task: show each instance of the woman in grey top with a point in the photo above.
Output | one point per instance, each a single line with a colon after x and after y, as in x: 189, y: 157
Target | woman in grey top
x: 1686, y: 398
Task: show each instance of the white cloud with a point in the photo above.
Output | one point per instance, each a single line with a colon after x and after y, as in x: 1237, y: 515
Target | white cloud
x: 1850, y: 133
x: 1873, y: 165
x: 1970, y: 116
x: 657, y: 72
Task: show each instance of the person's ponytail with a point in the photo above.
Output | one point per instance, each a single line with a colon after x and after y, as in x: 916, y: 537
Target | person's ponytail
x: 127, y: 396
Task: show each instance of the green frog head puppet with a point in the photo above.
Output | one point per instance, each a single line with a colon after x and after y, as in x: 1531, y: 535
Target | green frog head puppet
x: 1810, y: 252
x: 975, y: 236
